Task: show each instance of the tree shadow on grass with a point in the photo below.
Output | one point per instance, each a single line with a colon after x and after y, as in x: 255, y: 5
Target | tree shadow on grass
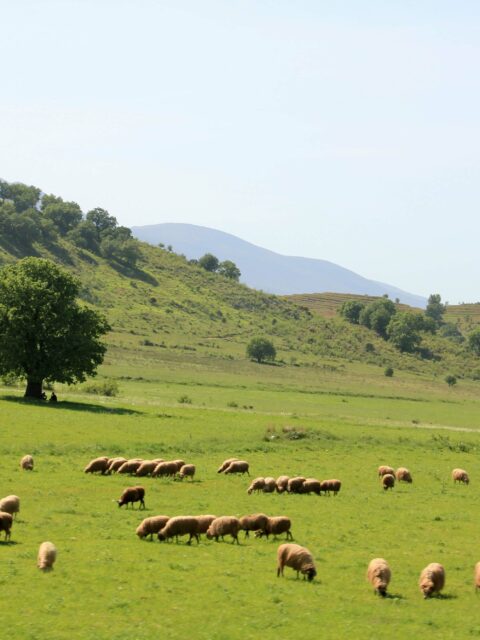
x: 73, y: 406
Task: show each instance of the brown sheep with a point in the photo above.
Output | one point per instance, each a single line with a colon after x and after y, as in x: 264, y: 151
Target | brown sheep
x: 311, y: 485
x: 275, y: 526
x: 180, y: 526
x: 129, y: 467
x: 333, y: 485
x: 270, y: 485
x: 295, y: 485
x: 179, y: 464
x: 225, y: 525
x: 384, y: 469
x: 131, y: 495
x: 388, y: 481
x: 168, y: 469
x: 460, y: 475
x: 204, y: 522
x: 151, y: 525
x: 403, y: 475
x: 10, y: 504
x: 115, y: 464
x: 26, y: 463
x: 432, y: 579
x: 254, y: 522
x: 146, y: 468
x: 226, y: 463
x: 282, y: 482
x: 6, y: 522
x: 238, y: 466
x: 379, y: 575
x: 47, y: 554
x: 477, y: 576
x: 98, y: 464
x: 298, y: 558
x: 256, y: 485
x: 187, y: 471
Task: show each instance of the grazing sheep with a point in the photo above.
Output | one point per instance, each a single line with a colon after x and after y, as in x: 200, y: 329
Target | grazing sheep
x: 276, y: 526
x: 47, y: 554
x: 180, y: 526
x: 179, y: 464
x: 311, y: 485
x: 388, y: 481
x: 225, y: 525
x: 168, y: 469
x: 130, y: 467
x: 26, y: 463
x: 432, y: 579
x: 98, y: 464
x: 384, y: 469
x: 158, y: 460
x: 379, y: 575
x: 146, y: 468
x: 238, y: 466
x: 403, y: 475
x: 477, y: 576
x: 270, y: 485
x: 187, y: 471
x: 10, y: 504
x: 298, y: 558
x: 115, y: 464
x: 256, y: 485
x: 254, y: 522
x: 295, y: 485
x: 225, y: 464
x: 282, y: 482
x: 204, y: 522
x: 152, y: 525
x: 460, y: 475
x: 6, y: 522
x: 131, y: 495
x: 333, y: 485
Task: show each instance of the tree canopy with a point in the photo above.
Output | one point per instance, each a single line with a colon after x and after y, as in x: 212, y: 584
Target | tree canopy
x: 435, y: 309
x: 261, y: 349
x: 44, y: 334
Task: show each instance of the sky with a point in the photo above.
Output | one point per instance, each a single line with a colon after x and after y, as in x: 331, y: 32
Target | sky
x: 347, y: 131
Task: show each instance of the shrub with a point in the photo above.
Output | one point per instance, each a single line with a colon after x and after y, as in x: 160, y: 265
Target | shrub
x: 185, y: 399
x: 451, y: 380
x: 389, y: 372
x: 107, y: 388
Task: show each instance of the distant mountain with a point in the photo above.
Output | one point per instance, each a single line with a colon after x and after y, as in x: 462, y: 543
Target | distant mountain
x: 267, y: 270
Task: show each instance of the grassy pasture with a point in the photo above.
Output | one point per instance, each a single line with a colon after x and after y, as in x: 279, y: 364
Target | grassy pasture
x: 109, y: 584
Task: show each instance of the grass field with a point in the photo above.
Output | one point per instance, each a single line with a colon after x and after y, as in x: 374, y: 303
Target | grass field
x: 109, y: 584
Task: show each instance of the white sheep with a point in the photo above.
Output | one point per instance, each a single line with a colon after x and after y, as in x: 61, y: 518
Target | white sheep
x: 256, y: 485
x: 402, y: 474
x: 26, y: 463
x: 460, y: 475
x: 238, y: 466
x: 298, y: 558
x: 151, y: 525
x: 384, y: 469
x: 226, y: 463
x: 187, y: 471
x: 10, y: 504
x: 270, y: 485
x: 432, y: 579
x: 379, y: 575
x: 282, y: 483
x: 47, y: 554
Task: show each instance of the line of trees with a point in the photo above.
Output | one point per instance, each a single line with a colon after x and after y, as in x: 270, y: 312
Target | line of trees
x: 211, y: 263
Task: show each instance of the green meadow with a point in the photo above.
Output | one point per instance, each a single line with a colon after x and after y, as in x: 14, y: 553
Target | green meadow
x: 326, y: 421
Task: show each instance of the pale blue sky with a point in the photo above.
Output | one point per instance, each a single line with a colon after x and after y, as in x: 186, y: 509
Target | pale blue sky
x: 347, y: 131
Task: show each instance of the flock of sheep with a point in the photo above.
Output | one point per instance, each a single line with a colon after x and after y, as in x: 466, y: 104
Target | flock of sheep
x: 141, y: 468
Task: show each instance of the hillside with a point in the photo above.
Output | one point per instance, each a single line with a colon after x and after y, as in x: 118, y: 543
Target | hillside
x: 328, y: 304
x: 267, y: 270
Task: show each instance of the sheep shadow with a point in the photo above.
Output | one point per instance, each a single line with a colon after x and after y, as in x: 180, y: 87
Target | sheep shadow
x: 72, y: 406
x: 7, y: 543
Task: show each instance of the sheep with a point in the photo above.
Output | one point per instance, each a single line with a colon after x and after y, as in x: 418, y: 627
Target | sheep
x: 10, y: 504
x: 147, y: 467
x: 187, y: 471
x: 379, y: 575
x: 403, y: 475
x: 295, y: 485
x: 97, y: 464
x: 460, y: 475
x: 130, y: 466
x: 477, y: 576
x: 6, y: 521
x: 432, y: 579
x: 179, y: 464
x: 254, y: 522
x: 47, y: 554
x: 131, y: 495
x: 282, y: 482
x: 26, y: 463
x: 256, y: 485
x: 388, y: 481
x: 330, y: 485
x: 276, y: 526
x: 238, y: 466
x: 115, y: 464
x: 311, y: 485
x: 226, y: 463
x: 270, y: 485
x: 151, y: 525
x: 384, y: 469
x: 298, y: 558
x: 165, y: 469
x: 180, y: 526
x: 204, y: 522
x: 223, y: 526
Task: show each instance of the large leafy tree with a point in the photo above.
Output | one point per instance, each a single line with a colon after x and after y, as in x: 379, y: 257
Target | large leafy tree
x: 403, y: 330
x: 377, y: 315
x: 435, y: 308
x: 261, y: 349
x: 45, y: 335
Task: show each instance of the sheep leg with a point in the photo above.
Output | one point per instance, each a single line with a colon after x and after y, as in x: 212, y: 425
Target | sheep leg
x: 289, y: 535
x: 235, y: 537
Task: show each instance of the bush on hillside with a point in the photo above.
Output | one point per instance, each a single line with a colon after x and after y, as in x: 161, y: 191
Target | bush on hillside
x: 388, y: 372
x: 107, y: 388
x: 261, y: 349
x: 451, y: 380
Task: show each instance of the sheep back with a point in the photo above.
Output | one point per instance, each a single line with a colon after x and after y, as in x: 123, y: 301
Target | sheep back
x: 226, y: 463
x: 275, y: 526
x: 180, y: 526
x: 130, y: 467
x: 254, y: 522
x: 10, y: 504
x: 47, y: 554
x: 204, y: 522
x: 460, y: 475
x: 97, y: 464
x: 384, y: 469
x: 168, y: 468
x: 402, y: 474
x: 238, y: 466
x: 225, y: 525
x: 270, y: 485
x: 295, y: 485
x: 311, y: 485
x: 282, y: 482
x: 146, y: 468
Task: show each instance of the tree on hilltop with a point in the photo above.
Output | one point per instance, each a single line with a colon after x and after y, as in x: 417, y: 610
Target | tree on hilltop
x: 230, y: 270
x: 209, y: 262
x: 351, y: 309
x: 435, y: 308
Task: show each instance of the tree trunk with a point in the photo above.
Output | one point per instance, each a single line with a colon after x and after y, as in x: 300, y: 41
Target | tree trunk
x: 34, y: 390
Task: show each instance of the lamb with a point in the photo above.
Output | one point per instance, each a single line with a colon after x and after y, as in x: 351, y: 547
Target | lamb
x: 256, y: 485
x: 10, y: 504
x: 298, y: 558
x: 270, y: 485
x: 432, y: 579
x: 388, y: 481
x: 180, y: 526
x: 460, y: 475
x: 226, y: 463
x: 146, y: 468
x: 204, y: 522
x: 403, y: 475
x: 6, y: 521
x: 131, y: 495
x: 223, y: 526
x: 311, y: 485
x: 330, y: 485
x: 295, y: 485
x: 130, y: 466
x: 47, y: 554
x: 238, y: 466
x: 97, y: 464
x: 115, y: 464
x: 26, y: 463
x: 477, y: 576
x: 187, y: 471
x: 379, y: 575
x: 165, y: 469
x: 384, y: 469
x: 282, y: 482
x: 152, y: 525
x: 276, y: 526
x: 254, y: 522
